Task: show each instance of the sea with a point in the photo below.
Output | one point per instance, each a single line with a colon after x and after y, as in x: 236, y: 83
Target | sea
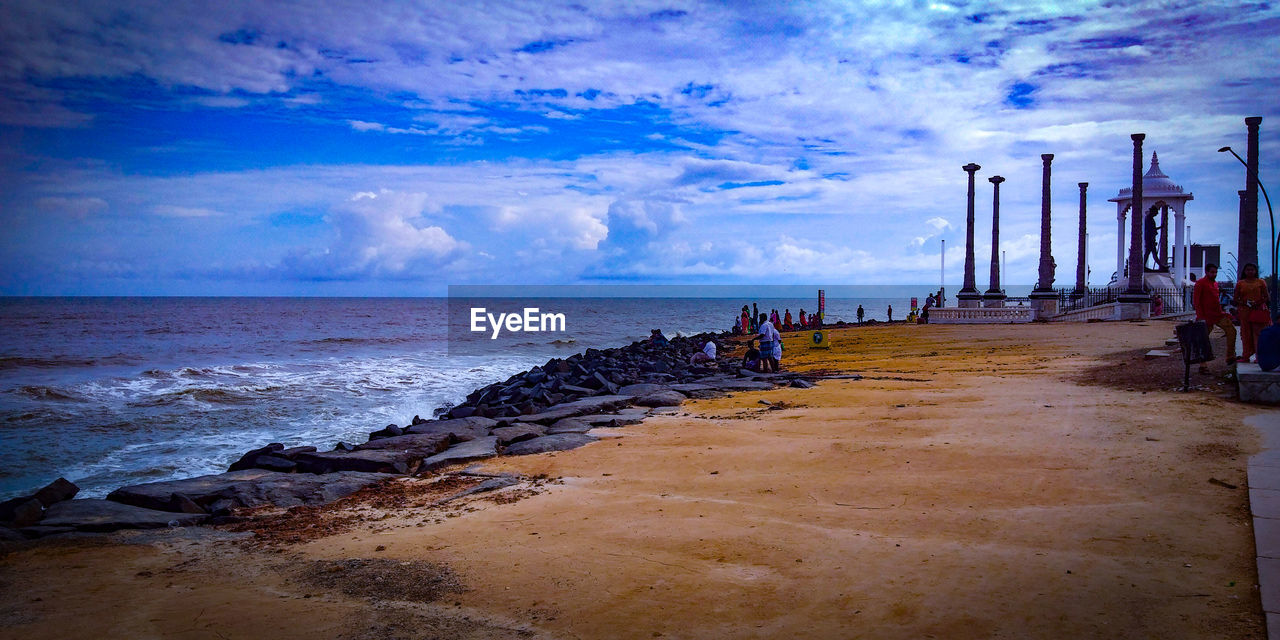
x: 108, y: 392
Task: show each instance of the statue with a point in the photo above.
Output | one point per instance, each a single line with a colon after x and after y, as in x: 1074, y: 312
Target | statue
x: 1149, y: 239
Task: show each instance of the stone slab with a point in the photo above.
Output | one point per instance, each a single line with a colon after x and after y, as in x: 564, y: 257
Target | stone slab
x: 461, y: 429
x: 104, y: 515
x: 1258, y: 386
x: 1264, y: 503
x: 1266, y: 537
x: 595, y: 404
x: 248, y: 488
x: 556, y: 442
x: 1269, y: 574
x: 518, y: 432
x: 368, y: 460
x: 427, y: 444
x: 477, y: 449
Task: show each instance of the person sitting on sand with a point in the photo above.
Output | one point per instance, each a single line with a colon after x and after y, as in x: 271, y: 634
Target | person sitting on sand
x: 786, y: 321
x: 770, y: 346
x: 656, y: 337
x: 708, y: 354
x: 751, y: 360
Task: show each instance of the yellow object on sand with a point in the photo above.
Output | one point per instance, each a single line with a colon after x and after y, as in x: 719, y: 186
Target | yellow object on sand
x: 820, y: 340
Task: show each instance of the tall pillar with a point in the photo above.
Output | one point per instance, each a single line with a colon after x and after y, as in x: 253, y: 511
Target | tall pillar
x: 1248, y: 250
x: 1043, y: 299
x: 1164, y: 238
x: 1134, y: 302
x: 1080, y: 256
x: 1244, y: 209
x: 968, y: 295
x: 1120, y: 274
x: 1179, y: 246
x: 994, y: 297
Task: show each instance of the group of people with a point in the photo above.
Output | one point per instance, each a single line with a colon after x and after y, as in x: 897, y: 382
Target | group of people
x: 749, y: 321
x: 1252, y: 302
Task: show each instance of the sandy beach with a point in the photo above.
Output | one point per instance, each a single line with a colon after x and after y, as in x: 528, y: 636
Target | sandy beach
x: 1030, y: 481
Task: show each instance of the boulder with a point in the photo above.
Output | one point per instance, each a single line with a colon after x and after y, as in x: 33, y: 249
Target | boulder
x: 476, y: 449
x: 801, y: 383
x: 293, y: 452
x: 368, y: 460
x: 56, y: 491
x: 275, y: 463
x: 182, y: 503
x: 23, y: 512
x: 248, y: 488
x: 460, y: 429
x: 570, y: 425
x: 425, y: 444
x: 642, y: 388
x: 556, y: 442
x: 105, y: 515
x: 737, y: 384
x: 248, y: 460
x: 620, y: 419
x: 390, y: 431
x: 517, y: 432
x: 594, y: 404
x: 661, y: 399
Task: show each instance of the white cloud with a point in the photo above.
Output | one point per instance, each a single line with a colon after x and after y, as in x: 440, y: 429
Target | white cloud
x: 173, y: 211
x: 77, y: 207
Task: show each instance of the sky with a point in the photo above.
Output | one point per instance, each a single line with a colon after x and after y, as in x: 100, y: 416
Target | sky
x: 396, y: 148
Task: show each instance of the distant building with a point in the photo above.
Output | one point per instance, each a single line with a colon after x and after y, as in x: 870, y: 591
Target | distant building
x: 1202, y: 253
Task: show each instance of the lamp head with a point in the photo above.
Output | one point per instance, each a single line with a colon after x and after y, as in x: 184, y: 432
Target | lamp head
x: 1224, y: 149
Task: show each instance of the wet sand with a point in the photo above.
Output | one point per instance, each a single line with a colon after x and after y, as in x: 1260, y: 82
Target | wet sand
x: 980, y: 481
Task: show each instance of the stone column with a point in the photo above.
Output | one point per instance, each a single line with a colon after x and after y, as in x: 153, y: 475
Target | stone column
x: 1134, y: 303
x: 1244, y: 213
x: 1081, y: 260
x: 994, y: 297
x: 1164, y: 238
x: 1120, y: 275
x: 1179, y: 246
x: 968, y: 295
x: 1248, y: 251
x: 1043, y: 299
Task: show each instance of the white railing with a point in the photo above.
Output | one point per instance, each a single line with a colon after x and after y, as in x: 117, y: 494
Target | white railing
x: 1108, y: 311
x: 979, y: 315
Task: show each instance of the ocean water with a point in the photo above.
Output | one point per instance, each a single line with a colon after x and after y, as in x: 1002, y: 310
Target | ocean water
x: 115, y: 391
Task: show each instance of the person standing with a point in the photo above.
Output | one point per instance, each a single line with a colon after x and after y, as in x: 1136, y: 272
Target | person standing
x: 770, y: 345
x: 786, y: 321
x: 890, y: 313
x: 1251, y: 299
x: 860, y: 313
x: 745, y: 321
x: 1205, y: 300
x: 755, y: 315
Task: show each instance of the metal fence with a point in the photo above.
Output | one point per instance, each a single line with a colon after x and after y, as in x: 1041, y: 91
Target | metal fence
x: 1172, y: 299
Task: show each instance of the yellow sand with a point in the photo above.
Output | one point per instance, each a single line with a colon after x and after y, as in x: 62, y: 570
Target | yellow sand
x: 968, y: 487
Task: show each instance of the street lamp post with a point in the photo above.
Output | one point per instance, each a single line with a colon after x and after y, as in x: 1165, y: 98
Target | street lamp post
x: 1270, y: 214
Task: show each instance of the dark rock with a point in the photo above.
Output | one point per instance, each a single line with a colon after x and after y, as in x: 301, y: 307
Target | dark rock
x: 517, y: 432
x: 276, y: 463
x: 801, y: 383
x: 222, y: 507
x: 460, y: 429
x: 24, y: 513
x: 738, y: 385
x: 661, y: 399
x: 424, y: 444
x: 248, y: 488
x: 461, y: 412
x: 57, y: 491
x: 10, y: 535
x: 476, y: 449
x: 492, y: 484
x: 644, y: 388
x: 556, y: 442
x: 369, y: 460
x: 105, y: 515
x: 182, y: 503
x: 343, y: 446
x: 577, y: 391
x: 606, y: 384
x: 570, y: 425
x: 594, y: 404
x: 416, y: 420
x: 247, y: 460
x: 620, y: 419
x: 389, y: 431
x: 292, y: 452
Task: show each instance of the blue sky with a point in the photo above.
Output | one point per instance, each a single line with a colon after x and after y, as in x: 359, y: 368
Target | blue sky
x: 344, y: 148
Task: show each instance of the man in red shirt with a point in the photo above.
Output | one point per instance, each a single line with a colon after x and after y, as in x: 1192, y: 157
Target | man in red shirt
x: 1208, y: 306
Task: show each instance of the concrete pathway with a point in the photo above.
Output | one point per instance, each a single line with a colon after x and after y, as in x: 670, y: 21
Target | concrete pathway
x: 1264, y: 503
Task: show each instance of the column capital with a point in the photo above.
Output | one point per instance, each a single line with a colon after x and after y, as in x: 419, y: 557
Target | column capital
x: 995, y: 179
x: 1047, y: 157
x: 971, y: 167
x: 1083, y: 185
x: 1137, y: 137
x: 1253, y: 121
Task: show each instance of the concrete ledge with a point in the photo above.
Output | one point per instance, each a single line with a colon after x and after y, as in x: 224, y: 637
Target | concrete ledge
x: 1258, y: 386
